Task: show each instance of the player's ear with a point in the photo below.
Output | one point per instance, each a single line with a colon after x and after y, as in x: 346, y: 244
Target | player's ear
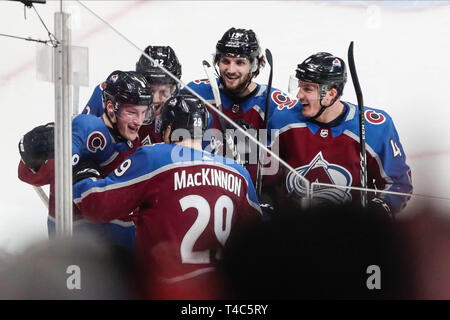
x: 110, y: 110
x: 167, y: 133
x: 330, y: 95
x: 333, y: 93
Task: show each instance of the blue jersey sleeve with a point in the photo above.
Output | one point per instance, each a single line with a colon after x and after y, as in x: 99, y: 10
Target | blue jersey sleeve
x: 282, y: 117
x: 382, y: 137
x: 95, y: 103
x: 102, y: 200
x: 91, y: 140
x: 135, y: 166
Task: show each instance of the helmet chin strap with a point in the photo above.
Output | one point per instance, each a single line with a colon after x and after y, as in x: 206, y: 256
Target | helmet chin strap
x: 323, y: 108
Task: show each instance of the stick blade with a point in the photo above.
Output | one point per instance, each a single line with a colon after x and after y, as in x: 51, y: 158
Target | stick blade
x: 352, y: 67
x: 269, y: 57
x: 350, y: 50
x: 206, y: 63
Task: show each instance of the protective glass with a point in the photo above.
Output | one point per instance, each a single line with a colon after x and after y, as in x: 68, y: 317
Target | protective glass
x: 293, y: 86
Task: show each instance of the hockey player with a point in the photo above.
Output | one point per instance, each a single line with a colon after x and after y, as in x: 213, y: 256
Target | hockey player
x: 161, y: 84
x: 321, y: 140
x: 106, y: 141
x: 190, y: 202
x: 239, y: 59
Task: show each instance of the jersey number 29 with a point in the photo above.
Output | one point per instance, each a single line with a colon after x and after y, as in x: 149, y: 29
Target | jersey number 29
x: 204, y: 212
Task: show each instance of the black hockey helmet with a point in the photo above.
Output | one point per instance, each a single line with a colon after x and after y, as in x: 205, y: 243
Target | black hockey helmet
x: 127, y: 87
x: 185, y: 111
x: 324, y: 69
x: 241, y: 43
x: 164, y: 56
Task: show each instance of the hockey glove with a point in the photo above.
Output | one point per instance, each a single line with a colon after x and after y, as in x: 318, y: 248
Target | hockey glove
x: 244, y: 125
x: 84, y: 170
x: 242, y: 145
x: 378, y: 206
x: 38, y: 145
x: 267, y: 206
x: 326, y: 196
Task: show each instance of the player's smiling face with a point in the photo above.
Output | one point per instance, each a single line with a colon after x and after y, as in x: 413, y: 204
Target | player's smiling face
x: 161, y: 92
x: 235, y: 72
x: 308, y: 94
x: 129, y: 119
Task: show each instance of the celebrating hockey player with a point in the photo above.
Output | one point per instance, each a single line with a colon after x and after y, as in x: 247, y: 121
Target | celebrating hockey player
x: 161, y: 84
x: 239, y: 59
x: 106, y: 141
x: 190, y: 202
x: 321, y: 140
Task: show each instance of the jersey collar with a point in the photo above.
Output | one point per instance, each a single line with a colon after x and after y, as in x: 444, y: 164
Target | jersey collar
x: 338, y: 127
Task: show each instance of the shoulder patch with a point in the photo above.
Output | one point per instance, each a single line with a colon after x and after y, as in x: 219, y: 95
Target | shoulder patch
x: 205, y: 81
x: 374, y: 117
x: 95, y: 141
x: 282, y: 100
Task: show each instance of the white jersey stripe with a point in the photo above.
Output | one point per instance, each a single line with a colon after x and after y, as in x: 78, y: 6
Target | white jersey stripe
x: 373, y: 154
x: 168, y: 167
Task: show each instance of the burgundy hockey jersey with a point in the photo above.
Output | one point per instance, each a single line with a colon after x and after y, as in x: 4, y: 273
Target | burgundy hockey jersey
x: 331, y: 154
x: 190, y: 202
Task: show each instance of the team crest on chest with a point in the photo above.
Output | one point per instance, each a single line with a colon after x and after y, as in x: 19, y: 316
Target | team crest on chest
x: 146, y: 141
x: 319, y: 170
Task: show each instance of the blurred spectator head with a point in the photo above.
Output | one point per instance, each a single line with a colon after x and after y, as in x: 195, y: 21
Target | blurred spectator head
x: 76, y: 268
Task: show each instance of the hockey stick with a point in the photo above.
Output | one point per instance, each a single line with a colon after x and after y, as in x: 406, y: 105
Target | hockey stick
x: 265, y: 122
x: 41, y: 193
x: 182, y: 84
x: 362, y: 127
x: 215, y: 89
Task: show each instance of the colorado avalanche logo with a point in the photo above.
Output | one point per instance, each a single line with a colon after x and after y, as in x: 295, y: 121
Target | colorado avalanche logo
x: 282, y: 100
x: 374, y: 117
x: 146, y: 141
x: 205, y: 81
x: 96, y: 141
x: 319, y: 170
